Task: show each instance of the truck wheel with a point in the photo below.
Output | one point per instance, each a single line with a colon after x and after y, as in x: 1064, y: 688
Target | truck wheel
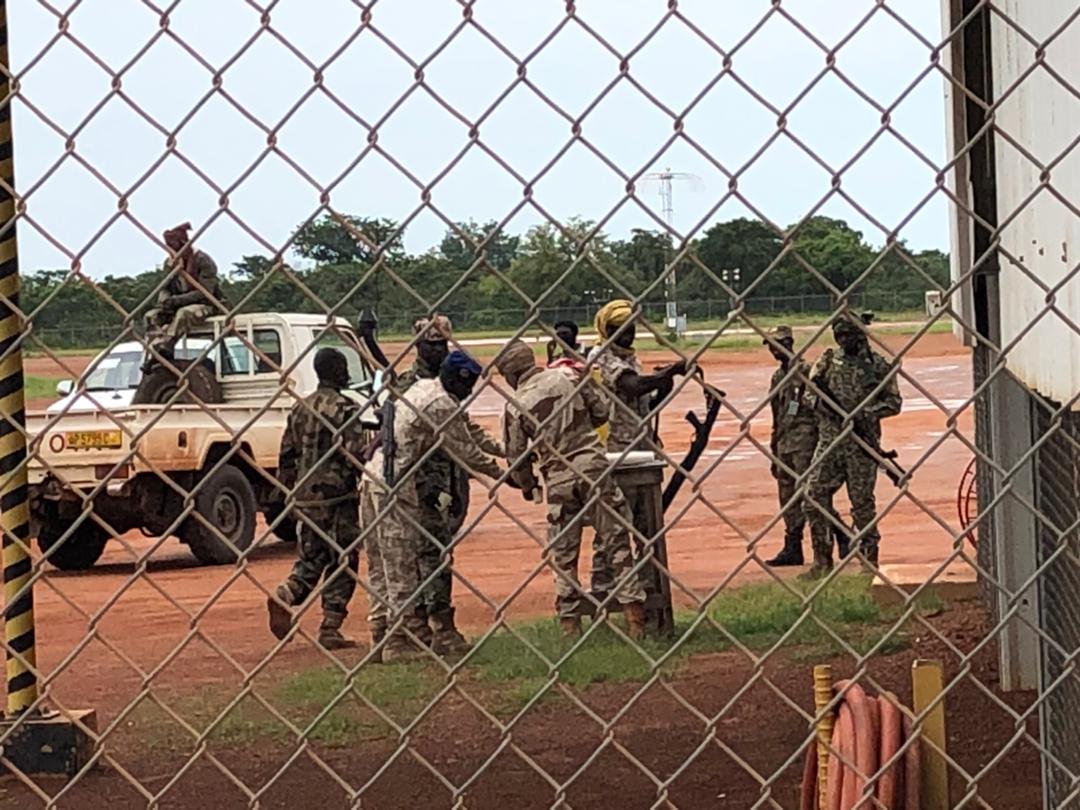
x: 161, y: 383
x: 79, y: 550
x: 285, y: 531
x: 227, y: 501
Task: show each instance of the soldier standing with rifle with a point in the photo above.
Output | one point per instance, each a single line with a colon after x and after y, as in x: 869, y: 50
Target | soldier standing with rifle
x: 794, y: 437
x: 845, y: 383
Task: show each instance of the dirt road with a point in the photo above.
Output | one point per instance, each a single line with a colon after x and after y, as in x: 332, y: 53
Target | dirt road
x: 141, y: 614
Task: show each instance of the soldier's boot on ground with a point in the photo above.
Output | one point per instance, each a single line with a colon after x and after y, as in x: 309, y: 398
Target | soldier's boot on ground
x: 447, y: 640
x: 400, y: 647
x: 570, y: 626
x: 422, y: 629
x: 330, y: 636
x: 378, y: 626
x: 821, y: 568
x: 790, y: 554
x: 635, y: 619
x: 843, y: 543
x: 870, y: 557
x: 281, y: 617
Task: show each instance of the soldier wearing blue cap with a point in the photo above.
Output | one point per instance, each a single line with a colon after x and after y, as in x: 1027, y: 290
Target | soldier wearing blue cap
x: 428, y: 417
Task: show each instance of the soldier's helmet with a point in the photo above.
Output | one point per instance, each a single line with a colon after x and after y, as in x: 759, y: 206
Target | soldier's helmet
x: 437, y: 327
x: 778, y: 333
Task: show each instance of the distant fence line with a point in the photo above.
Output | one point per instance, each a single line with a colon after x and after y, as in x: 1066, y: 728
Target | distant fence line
x: 102, y: 334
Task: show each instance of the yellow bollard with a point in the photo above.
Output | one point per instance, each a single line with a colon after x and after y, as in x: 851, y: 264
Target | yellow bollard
x: 928, y: 682
x: 823, y: 695
x: 22, y: 688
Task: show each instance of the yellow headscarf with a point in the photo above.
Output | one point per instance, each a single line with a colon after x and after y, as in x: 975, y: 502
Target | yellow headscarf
x: 611, y: 316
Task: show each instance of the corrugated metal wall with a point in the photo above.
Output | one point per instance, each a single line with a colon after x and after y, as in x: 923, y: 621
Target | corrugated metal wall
x: 1037, y: 122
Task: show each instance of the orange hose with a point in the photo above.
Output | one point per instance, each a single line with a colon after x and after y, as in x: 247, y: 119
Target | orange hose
x: 867, y: 735
x: 842, y: 750
x: 889, y: 742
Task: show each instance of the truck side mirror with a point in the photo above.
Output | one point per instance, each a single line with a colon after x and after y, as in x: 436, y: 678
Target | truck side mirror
x: 65, y: 387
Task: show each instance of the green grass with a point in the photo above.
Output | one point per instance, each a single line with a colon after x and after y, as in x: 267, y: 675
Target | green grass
x: 41, y: 387
x: 508, y: 670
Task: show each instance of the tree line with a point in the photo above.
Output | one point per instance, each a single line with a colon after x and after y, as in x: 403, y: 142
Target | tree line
x: 487, y: 278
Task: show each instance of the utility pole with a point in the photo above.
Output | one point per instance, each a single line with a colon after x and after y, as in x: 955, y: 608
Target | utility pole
x: 666, y: 180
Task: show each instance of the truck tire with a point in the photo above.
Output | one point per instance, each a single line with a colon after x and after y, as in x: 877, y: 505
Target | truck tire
x: 79, y: 550
x: 227, y: 501
x: 160, y: 385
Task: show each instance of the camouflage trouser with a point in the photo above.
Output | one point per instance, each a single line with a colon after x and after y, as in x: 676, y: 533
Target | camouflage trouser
x: 393, y: 553
x: 443, y: 492
x: 173, y: 327
x: 792, y: 464
x: 844, y: 464
x: 612, y: 557
x: 378, y: 597
x: 319, y: 558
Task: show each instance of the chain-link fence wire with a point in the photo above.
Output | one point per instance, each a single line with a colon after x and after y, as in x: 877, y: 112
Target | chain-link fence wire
x: 140, y: 485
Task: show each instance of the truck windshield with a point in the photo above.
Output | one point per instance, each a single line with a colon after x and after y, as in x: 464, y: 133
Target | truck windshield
x: 115, y: 372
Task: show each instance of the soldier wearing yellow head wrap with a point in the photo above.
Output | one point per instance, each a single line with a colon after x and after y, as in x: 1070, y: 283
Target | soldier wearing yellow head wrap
x: 633, y: 394
x: 612, y: 316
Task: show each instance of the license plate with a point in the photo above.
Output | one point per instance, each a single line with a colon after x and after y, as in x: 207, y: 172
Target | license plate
x: 87, y: 439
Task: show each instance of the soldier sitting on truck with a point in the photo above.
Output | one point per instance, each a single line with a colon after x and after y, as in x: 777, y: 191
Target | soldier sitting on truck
x: 321, y: 454
x: 191, y: 295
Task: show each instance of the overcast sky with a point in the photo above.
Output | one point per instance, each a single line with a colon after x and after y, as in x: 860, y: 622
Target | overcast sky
x: 228, y: 144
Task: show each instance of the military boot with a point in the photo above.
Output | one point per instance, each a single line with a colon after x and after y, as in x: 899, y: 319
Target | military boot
x: 635, y: 619
x: 278, y: 606
x: 330, y: 636
x: 447, y: 640
x: 821, y: 568
x: 377, y: 626
x: 843, y: 543
x: 421, y: 629
x: 870, y: 557
x: 570, y: 626
x: 400, y: 647
x: 791, y: 554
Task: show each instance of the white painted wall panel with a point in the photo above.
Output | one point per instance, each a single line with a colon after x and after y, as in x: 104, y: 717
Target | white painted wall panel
x: 1038, y: 182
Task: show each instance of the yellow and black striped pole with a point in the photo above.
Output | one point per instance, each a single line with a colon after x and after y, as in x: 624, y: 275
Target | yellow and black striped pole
x: 14, y: 509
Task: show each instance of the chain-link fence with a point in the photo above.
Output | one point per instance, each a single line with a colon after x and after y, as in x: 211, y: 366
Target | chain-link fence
x: 289, y: 539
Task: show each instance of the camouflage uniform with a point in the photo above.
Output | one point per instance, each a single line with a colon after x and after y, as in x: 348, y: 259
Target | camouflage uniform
x: 443, y: 490
x: 627, y: 425
x: 193, y: 309
x: 574, y: 468
x: 850, y: 380
x: 322, y: 470
x: 426, y: 415
x: 794, y: 437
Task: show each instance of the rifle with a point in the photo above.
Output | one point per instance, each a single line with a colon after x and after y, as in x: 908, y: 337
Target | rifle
x: 886, y: 459
x: 702, y: 430
x: 389, y: 446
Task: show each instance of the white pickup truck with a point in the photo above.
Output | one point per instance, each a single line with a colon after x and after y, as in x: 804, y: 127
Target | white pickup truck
x: 134, y: 467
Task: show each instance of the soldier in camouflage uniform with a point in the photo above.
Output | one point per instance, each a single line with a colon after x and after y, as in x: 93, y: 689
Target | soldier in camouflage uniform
x: 794, y: 437
x: 552, y: 422
x: 843, y: 381
x: 443, y: 489
x: 190, y: 297
x: 633, y: 394
x: 321, y: 452
x: 425, y: 416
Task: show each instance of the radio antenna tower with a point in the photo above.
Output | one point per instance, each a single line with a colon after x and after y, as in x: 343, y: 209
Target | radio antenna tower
x: 665, y: 181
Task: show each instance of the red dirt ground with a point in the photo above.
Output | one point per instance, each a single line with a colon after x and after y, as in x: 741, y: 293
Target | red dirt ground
x: 103, y: 634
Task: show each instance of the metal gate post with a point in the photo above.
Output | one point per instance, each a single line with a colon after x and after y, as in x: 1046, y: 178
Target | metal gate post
x: 22, y: 690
